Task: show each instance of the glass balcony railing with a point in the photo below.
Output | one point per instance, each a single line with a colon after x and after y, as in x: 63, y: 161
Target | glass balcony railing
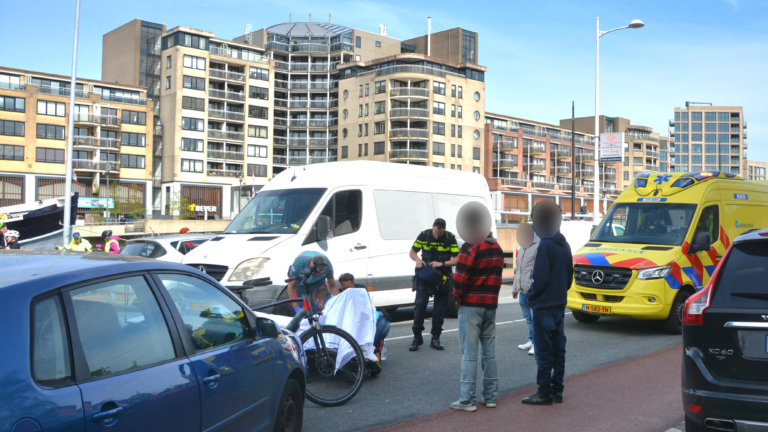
x: 299, y: 86
x: 416, y: 69
x: 542, y: 185
x: 408, y: 133
x: 280, y: 141
x: 310, y: 47
x: 280, y: 65
x: 409, y: 112
x: 229, y: 155
x: 242, y: 55
x: 514, y: 182
x: 585, y: 173
x: 228, y: 115
x: 585, y: 156
x: 228, y: 135
x: 281, y: 103
x: 277, y: 46
x: 409, y: 92
x: 280, y: 122
x: 225, y: 94
x: 223, y: 173
x: 123, y: 99
x: 408, y: 154
x: 534, y: 166
x: 504, y: 164
x: 280, y: 160
x: 96, y: 142
x: 560, y: 153
x: 298, y: 104
x: 319, y: 67
x: 534, y: 149
x: 91, y: 165
x: 504, y: 144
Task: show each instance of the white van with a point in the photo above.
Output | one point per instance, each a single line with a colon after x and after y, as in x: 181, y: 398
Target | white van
x: 376, y: 211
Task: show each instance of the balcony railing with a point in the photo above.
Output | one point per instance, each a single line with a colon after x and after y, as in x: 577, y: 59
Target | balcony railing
x: 585, y: 173
x: 297, y: 160
x: 299, y: 67
x: 279, y: 46
x: 534, y: 132
x: 514, y: 182
x: 280, y: 122
x: 332, y: 141
x: 54, y: 91
x: 542, y: 185
x: 318, y: 159
x: 91, y: 165
x: 613, y: 191
x: 298, y: 104
x: 585, y: 156
x: 560, y: 136
x: 409, y: 112
x: 416, y: 69
x: 224, y: 94
x: 318, y: 142
x: 409, y: 92
x: 229, y: 115
x: 228, y: 75
x: 562, y: 170
x: 310, y: 47
x: 408, y: 133
x: 566, y: 187
x: 534, y: 166
x: 589, y: 189
x: 281, y: 84
x: 534, y: 149
x: 581, y: 139
x: 299, y: 86
x: 319, y: 86
x: 323, y: 123
x: 651, y: 153
x: 84, y: 117
x: 217, y: 73
x: 561, y: 153
x: 504, y: 164
x: 14, y: 86
x: 639, y: 136
x: 299, y: 123
x: 408, y: 154
x: 243, y: 55
x: 649, y: 167
x: 279, y: 65
x: 318, y: 104
x: 223, y: 173
x: 108, y: 120
x: 123, y: 99
x: 230, y: 155
x: 281, y: 160
x: 609, y: 176
x: 318, y: 67
x: 229, y: 135
x: 281, y: 103
x: 504, y: 145
x: 297, y: 142
x: 280, y: 140
x: 96, y: 142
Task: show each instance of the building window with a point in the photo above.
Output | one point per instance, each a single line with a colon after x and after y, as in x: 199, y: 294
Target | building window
x: 681, y: 127
x: 710, y: 116
x: 366, y: 109
x: 683, y: 159
x: 476, y: 170
x: 359, y: 130
x: 458, y: 167
x: 453, y: 90
x: 136, y: 117
x: 467, y: 46
x: 696, y: 137
x: 438, y: 128
x: 256, y: 170
x: 189, y: 144
x: 366, y: 89
x: 58, y: 109
x: 476, y: 153
x: 695, y: 148
x: 11, y: 104
x: 258, y: 112
x: 453, y: 167
x: 459, y: 153
x: 357, y: 58
x: 710, y: 127
x: 257, y: 151
x: 710, y: 138
x: 438, y: 88
x: 344, y: 152
x: 190, y: 103
x: 438, y: 165
x: 360, y: 94
x: 167, y: 82
x: 461, y: 91
x: 365, y: 151
x: 193, y: 124
x: 681, y: 137
x: 366, y: 129
x: 191, y: 165
x: 438, y: 149
x: 378, y: 128
x: 257, y: 131
x: 378, y: 148
x: 626, y: 160
x: 378, y: 44
x: 710, y: 159
x: 259, y: 73
x: 133, y: 139
x: 12, y: 128
x: 724, y: 127
x: 379, y: 107
x: 131, y: 161
x: 453, y: 130
x: 258, y: 93
x: 49, y: 131
x: 459, y: 131
x: 723, y: 138
x: 459, y: 112
x: 358, y: 42
x: 194, y: 62
x: 626, y: 175
x: 725, y: 149
x: 723, y: 117
x: 453, y: 110
x: 438, y: 108
x: 168, y: 62
x: 696, y: 116
x: 12, y: 152
x: 360, y: 110
x: 710, y: 148
x: 696, y: 159
x: 379, y: 87
x: 696, y: 127
x: 359, y: 150
x: 453, y: 150
x: 194, y: 83
x: 49, y: 155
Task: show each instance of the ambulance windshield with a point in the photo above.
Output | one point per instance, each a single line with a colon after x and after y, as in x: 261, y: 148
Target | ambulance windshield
x: 646, y: 223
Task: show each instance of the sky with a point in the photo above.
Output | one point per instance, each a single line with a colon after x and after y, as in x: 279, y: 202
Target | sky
x: 540, y: 54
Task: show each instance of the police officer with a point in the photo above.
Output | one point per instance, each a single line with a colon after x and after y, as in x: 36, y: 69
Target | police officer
x: 439, y: 250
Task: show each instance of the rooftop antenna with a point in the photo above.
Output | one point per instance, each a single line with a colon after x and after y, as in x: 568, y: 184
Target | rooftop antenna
x: 429, y: 35
x: 248, y: 33
x: 310, y: 16
x: 290, y: 16
x: 329, y: 17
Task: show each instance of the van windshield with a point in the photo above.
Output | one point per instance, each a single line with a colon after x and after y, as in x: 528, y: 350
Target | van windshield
x: 646, y: 223
x: 276, y: 212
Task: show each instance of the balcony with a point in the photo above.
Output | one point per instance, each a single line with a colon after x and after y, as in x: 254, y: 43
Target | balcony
x: 409, y: 112
x: 228, y: 155
x: 299, y: 86
x: 409, y: 92
x: 277, y: 46
x: 514, y: 182
x: 560, y: 136
x: 280, y: 160
x: 310, y: 47
x: 504, y: 145
x: 414, y: 69
x: 228, y: 115
x: 542, y: 185
x: 318, y: 142
x: 95, y: 166
x: 280, y: 141
x: 332, y: 141
x: 109, y: 121
x: 281, y: 103
x: 319, y: 104
x: 227, y: 75
x: 297, y: 160
x: 651, y: 153
x: 671, y: 123
x: 242, y: 55
x: 408, y: 133
x: 223, y: 173
x: 279, y: 65
x: 280, y: 122
x: 321, y: 123
x: 562, y: 170
x: 613, y: 191
x: 297, y: 142
x: 585, y: 156
x: 297, y: 123
x: 298, y: 104
x: 587, y: 140
x: 91, y: 142
x: 589, y: 189
x: 505, y: 164
x: 86, y: 118
x: 534, y: 166
x: 642, y: 136
x: 46, y: 89
x: 745, y: 134
x: 609, y: 176
x: 341, y: 46
x: 585, y: 173
x: 565, y: 187
x: 319, y: 86
x: 534, y: 149
x: 228, y: 135
x: 299, y: 67
x: 561, y: 153
x: 228, y: 95
x: 280, y: 84
x: 123, y: 99
x: 649, y: 167
x: 409, y: 154
x: 534, y: 132
x: 319, y: 67
x: 745, y: 124
x: 319, y: 159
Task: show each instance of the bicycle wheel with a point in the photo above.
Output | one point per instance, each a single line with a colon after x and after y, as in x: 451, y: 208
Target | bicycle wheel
x: 327, y: 386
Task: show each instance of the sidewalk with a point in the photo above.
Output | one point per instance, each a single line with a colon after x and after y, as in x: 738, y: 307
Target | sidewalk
x: 639, y: 394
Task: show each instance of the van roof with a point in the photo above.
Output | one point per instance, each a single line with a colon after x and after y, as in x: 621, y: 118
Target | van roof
x: 687, y: 187
x: 390, y: 175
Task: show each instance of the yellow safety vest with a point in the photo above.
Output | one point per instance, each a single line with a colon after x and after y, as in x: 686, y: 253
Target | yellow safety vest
x: 84, y: 246
x: 108, y: 246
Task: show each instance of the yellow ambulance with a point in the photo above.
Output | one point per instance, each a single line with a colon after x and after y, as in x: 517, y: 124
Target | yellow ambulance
x: 660, y: 242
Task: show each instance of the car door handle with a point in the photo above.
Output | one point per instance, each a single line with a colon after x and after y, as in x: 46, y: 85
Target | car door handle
x: 360, y: 246
x: 106, y: 415
x: 213, y: 379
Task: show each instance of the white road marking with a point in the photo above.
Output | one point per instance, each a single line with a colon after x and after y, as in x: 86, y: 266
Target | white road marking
x: 453, y: 330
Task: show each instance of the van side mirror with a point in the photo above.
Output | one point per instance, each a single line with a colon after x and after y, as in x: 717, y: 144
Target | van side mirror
x: 323, y: 228
x: 267, y: 328
x: 701, y: 243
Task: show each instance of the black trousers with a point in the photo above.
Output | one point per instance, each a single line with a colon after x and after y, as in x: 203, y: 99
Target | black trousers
x: 438, y: 314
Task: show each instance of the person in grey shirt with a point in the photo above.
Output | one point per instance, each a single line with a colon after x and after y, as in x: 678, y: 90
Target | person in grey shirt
x: 526, y: 257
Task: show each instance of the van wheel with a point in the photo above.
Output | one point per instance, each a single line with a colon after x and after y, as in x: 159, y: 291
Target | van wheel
x: 585, y: 317
x: 290, y: 413
x: 284, y: 309
x: 451, y: 311
x: 674, y: 322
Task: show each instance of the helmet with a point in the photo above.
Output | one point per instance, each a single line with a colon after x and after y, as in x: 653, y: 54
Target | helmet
x: 76, y: 236
x: 184, y: 231
x: 14, y: 234
x: 106, y: 234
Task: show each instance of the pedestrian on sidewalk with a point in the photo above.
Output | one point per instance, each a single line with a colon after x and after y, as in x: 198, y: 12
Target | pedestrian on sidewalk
x: 477, y: 281
x: 552, y: 277
x: 526, y: 257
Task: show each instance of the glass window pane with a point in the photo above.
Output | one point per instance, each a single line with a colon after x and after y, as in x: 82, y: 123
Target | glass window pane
x: 50, y: 349
x: 121, y: 326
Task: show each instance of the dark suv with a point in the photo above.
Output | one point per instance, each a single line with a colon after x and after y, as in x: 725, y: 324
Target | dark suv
x: 725, y: 342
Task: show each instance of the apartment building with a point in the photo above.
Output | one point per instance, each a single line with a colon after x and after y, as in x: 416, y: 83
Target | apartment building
x: 529, y: 161
x: 214, y: 130
x: 111, y: 121
x: 756, y: 170
x: 710, y: 138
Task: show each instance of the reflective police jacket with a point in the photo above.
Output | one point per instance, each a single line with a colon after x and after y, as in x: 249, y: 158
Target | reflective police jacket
x: 432, y: 249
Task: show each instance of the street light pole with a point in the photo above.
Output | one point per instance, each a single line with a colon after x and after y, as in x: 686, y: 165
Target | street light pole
x: 596, y: 184
x: 70, y: 127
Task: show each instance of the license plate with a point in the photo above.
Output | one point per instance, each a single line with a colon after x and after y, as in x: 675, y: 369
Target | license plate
x: 122, y: 297
x: 595, y: 309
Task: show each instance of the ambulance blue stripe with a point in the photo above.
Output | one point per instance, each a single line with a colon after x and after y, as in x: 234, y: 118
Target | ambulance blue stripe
x: 710, y: 269
x: 691, y: 273
x: 673, y: 283
x: 597, y: 259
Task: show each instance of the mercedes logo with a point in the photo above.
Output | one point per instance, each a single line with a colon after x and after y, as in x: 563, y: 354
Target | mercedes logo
x: 202, y: 269
x: 597, y: 277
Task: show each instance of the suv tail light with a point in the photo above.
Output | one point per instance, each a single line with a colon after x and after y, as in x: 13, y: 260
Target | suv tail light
x: 693, y: 311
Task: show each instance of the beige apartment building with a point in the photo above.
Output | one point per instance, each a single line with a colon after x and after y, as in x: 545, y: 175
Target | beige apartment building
x: 711, y: 138
x: 756, y: 170
x: 112, y: 124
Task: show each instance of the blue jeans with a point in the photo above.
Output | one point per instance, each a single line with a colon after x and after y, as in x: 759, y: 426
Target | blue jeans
x: 549, y: 340
x: 527, y: 314
x: 382, y: 330
x: 477, y: 325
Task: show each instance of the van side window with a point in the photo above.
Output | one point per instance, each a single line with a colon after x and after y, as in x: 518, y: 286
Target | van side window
x: 345, y: 210
x: 709, y: 221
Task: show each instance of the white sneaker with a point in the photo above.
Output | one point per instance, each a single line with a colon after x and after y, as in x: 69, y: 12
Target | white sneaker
x: 526, y: 345
x: 531, y: 351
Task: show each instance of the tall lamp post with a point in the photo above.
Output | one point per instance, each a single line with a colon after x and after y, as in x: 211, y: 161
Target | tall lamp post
x: 634, y: 24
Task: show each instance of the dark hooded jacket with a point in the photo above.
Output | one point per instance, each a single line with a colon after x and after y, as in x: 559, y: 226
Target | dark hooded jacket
x: 552, y: 273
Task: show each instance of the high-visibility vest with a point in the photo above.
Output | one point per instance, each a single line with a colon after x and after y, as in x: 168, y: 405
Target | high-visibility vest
x: 84, y: 246
x: 108, y: 246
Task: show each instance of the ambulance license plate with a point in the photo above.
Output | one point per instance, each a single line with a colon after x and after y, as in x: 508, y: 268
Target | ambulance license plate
x: 595, y: 309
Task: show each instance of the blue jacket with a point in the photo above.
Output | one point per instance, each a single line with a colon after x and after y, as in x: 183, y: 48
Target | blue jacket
x: 552, y: 273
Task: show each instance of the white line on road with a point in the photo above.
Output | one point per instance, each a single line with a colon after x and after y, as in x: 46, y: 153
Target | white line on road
x: 453, y: 330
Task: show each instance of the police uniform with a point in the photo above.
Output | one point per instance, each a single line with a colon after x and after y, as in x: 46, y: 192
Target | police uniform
x: 441, y: 250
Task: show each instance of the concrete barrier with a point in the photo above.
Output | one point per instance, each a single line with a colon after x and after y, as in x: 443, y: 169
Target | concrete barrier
x: 154, y: 226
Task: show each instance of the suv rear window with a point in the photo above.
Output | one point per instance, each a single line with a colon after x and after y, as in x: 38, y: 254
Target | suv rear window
x: 737, y: 286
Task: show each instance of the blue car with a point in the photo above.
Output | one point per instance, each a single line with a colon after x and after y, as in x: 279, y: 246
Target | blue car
x: 95, y: 341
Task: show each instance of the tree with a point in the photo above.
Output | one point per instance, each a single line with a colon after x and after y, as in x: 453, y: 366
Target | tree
x: 177, y: 206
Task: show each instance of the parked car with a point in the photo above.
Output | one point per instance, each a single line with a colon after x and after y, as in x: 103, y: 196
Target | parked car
x: 725, y: 342
x: 93, y: 341
x: 165, y: 248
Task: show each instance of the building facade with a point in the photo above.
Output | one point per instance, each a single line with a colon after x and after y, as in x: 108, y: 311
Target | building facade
x: 112, y: 125
x: 710, y: 138
x: 756, y: 170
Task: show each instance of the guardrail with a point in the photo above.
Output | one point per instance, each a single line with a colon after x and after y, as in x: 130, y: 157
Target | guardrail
x: 230, y: 135
x: 408, y: 133
x: 221, y: 154
x: 223, y: 173
x: 408, y: 154
x: 409, y: 92
x: 409, y: 112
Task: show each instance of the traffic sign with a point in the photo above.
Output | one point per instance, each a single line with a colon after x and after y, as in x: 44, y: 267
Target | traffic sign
x: 611, y: 147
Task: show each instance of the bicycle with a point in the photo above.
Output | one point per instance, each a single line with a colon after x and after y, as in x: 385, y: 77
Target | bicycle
x: 330, y: 381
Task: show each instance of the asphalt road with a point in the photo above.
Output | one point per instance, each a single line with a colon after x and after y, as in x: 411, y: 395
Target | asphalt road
x: 415, y: 384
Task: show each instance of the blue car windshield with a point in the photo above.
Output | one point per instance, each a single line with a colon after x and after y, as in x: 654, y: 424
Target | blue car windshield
x: 276, y: 212
x: 646, y: 223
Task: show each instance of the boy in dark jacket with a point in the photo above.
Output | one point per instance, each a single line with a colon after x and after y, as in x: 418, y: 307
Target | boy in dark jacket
x: 552, y: 276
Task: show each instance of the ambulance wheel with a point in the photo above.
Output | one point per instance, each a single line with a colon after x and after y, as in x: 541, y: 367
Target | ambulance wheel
x: 674, y: 322
x: 451, y: 311
x: 585, y: 317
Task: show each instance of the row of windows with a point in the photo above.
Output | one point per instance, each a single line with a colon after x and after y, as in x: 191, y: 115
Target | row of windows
x: 708, y: 116
x: 188, y: 102
x: 196, y: 166
x: 437, y: 149
x: 708, y: 127
x: 8, y: 103
x: 11, y: 152
x: 710, y: 138
x: 708, y: 159
x: 11, y: 128
x: 194, y: 62
x: 58, y: 109
x: 188, y: 123
x: 131, y: 161
x: 134, y: 117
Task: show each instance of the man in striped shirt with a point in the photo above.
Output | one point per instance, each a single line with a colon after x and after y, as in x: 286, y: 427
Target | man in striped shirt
x: 476, y: 284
